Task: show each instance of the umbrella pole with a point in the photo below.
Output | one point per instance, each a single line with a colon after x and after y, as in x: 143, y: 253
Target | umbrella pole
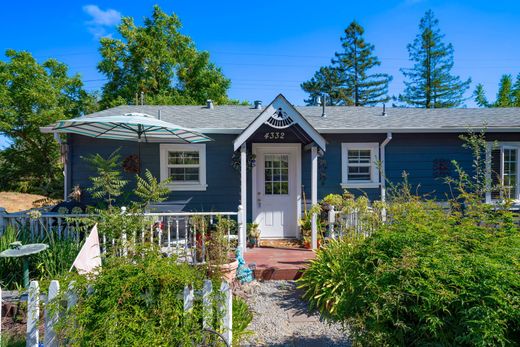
x: 139, y: 155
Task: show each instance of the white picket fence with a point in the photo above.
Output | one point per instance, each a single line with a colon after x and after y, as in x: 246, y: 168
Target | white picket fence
x: 174, y: 233
x: 51, y: 317
x: 354, y: 223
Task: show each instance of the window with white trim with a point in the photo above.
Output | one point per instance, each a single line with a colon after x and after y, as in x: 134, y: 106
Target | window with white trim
x: 503, y: 171
x: 359, y: 165
x: 185, y: 164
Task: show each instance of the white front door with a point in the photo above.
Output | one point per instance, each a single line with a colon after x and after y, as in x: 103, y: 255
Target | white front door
x: 276, y: 189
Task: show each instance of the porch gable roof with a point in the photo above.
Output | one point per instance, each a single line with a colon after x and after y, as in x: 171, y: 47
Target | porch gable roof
x: 280, y: 114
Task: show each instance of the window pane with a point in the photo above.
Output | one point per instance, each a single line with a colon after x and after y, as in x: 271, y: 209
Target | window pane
x: 510, y: 172
x: 183, y: 158
x: 359, y: 156
x: 184, y: 174
x: 276, y: 174
x: 268, y: 188
x: 359, y: 173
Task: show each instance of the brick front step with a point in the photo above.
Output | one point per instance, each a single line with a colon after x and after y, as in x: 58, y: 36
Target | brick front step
x: 278, y: 263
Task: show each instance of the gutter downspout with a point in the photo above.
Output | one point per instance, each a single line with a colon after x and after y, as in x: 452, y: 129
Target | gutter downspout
x: 383, y: 171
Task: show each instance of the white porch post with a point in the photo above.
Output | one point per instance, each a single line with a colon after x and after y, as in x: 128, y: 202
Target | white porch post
x: 314, y: 194
x: 243, y: 195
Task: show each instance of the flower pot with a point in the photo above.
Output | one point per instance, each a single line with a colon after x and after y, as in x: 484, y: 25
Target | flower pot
x: 229, y: 270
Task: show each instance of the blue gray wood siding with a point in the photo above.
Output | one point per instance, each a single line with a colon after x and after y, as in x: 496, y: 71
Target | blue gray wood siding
x: 222, y: 193
x: 413, y: 153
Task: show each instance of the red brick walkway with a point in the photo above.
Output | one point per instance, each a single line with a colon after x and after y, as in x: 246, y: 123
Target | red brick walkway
x: 278, y: 263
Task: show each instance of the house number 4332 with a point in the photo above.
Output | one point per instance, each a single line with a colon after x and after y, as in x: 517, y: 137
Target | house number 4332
x: 274, y: 135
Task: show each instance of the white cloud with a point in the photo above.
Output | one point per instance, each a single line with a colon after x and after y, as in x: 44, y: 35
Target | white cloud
x: 101, y: 20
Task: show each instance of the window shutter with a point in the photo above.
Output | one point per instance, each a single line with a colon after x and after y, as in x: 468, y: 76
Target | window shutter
x: 496, y: 172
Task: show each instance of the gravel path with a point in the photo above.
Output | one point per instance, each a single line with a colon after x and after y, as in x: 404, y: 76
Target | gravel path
x: 282, y: 318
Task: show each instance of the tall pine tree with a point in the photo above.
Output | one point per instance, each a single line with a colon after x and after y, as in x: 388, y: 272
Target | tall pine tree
x: 325, y: 80
x: 508, y: 95
x: 349, y: 81
x: 430, y: 83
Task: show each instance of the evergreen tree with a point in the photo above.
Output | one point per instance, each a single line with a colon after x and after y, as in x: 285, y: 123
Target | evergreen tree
x: 430, y: 83
x: 161, y: 62
x: 325, y: 80
x: 508, y: 95
x: 349, y: 81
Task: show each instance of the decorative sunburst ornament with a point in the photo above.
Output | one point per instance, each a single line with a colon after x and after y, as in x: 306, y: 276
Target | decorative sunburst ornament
x: 280, y: 119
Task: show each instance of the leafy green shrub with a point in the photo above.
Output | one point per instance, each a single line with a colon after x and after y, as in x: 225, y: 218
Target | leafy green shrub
x: 430, y: 277
x: 242, y: 317
x: 136, y: 301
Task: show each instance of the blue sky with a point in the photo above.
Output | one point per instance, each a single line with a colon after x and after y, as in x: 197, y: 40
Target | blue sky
x: 270, y: 47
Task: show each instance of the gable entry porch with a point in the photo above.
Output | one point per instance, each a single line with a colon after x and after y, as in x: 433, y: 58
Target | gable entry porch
x: 271, y: 192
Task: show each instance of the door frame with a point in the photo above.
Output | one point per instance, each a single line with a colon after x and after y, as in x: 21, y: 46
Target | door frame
x: 254, y: 191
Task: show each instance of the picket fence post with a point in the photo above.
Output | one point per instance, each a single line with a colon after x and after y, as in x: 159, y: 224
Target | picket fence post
x: 226, y: 308
x: 188, y: 298
x: 33, y: 313
x: 206, y: 303
x: 51, y: 318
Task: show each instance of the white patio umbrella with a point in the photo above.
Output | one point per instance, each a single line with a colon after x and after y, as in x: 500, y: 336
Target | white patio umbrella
x: 129, y: 126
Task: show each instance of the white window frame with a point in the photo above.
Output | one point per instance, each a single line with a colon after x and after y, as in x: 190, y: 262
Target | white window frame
x: 374, y: 181
x: 502, y: 145
x: 164, y: 149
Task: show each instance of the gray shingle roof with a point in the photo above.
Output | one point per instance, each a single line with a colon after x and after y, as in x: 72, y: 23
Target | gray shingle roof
x: 228, y: 118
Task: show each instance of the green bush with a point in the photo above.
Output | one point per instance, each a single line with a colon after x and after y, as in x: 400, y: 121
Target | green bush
x: 47, y: 265
x: 429, y: 277
x: 138, y: 301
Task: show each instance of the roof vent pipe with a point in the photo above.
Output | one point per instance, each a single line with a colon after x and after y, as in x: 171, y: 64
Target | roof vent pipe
x: 384, y: 110
x: 159, y: 114
x: 209, y: 104
x: 323, y: 101
x: 258, y: 104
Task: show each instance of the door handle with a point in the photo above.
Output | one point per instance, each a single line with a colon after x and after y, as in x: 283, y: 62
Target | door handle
x: 259, y: 202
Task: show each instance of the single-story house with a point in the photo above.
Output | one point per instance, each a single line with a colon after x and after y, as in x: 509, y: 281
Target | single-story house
x: 295, y: 155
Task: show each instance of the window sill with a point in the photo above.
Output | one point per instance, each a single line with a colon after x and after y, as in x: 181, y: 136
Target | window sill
x: 360, y: 185
x: 187, y: 187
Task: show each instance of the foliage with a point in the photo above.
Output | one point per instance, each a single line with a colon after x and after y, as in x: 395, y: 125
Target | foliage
x: 150, y: 190
x: 33, y: 95
x: 348, y: 80
x: 429, y: 83
x: 46, y: 265
x: 159, y: 61
x: 508, y: 95
x: 242, y: 317
x: 135, y: 301
x: 108, y: 184
x: 218, y: 244
x: 253, y: 230
x: 430, y: 275
x: 422, y: 281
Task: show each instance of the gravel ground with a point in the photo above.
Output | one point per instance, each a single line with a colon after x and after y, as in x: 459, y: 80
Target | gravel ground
x: 282, y: 318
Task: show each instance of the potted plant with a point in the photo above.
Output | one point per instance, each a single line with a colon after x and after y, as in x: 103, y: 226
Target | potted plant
x: 253, y: 234
x: 219, y: 257
x: 306, y: 226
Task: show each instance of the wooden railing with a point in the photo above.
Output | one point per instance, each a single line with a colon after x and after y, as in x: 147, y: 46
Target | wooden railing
x: 174, y: 233
x: 355, y: 223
